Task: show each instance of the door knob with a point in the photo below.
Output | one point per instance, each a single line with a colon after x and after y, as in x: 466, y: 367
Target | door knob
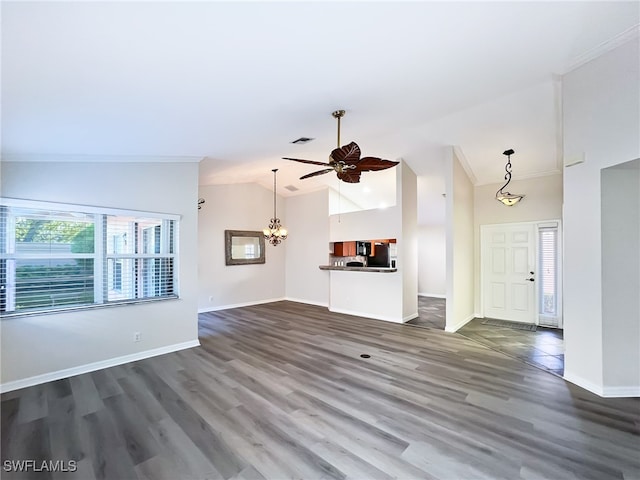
x: 530, y: 279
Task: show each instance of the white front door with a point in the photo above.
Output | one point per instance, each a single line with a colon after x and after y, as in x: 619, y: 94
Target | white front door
x: 508, y: 266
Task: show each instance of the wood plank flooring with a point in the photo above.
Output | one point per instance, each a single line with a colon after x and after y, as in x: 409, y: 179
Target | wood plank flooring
x: 280, y: 391
x: 431, y: 313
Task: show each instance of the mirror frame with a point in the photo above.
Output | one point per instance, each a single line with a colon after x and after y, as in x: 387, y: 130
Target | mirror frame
x: 229, y: 234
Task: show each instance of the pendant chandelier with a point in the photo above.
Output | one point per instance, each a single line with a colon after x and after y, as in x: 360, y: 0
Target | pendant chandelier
x: 275, y: 233
x: 506, y: 198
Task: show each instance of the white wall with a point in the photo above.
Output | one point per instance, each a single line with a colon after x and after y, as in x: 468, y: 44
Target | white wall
x: 366, y: 224
x: 460, y: 245
x: 432, y: 235
x: 432, y: 261
x: 42, y: 347
x: 621, y: 274
x: 237, y: 207
x: 379, y: 295
x: 340, y: 204
x: 408, y: 241
x: 601, y: 122
x: 374, y: 295
x: 308, y: 248
x: 543, y: 201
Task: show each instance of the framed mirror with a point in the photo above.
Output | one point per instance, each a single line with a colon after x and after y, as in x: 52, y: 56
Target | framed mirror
x: 243, y: 247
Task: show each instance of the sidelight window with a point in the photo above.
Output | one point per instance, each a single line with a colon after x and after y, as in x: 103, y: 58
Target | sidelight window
x: 548, y: 278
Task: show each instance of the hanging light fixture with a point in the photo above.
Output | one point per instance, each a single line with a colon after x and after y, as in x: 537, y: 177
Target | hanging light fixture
x: 276, y: 232
x: 506, y: 198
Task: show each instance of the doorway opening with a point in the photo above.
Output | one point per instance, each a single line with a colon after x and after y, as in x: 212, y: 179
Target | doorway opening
x: 431, y: 312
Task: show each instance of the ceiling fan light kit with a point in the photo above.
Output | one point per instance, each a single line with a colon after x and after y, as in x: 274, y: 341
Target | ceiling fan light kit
x: 346, y: 161
x: 275, y: 233
x: 504, y: 197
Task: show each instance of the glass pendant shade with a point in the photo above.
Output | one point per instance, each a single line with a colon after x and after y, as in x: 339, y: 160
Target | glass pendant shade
x: 509, y: 199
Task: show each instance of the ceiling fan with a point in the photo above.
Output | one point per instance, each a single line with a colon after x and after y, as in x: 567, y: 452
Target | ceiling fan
x: 346, y: 161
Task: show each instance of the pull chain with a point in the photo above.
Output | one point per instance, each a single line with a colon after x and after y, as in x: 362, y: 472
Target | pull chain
x: 339, y: 203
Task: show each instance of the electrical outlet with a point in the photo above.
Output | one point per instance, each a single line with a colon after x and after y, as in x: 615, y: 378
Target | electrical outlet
x: 137, y: 336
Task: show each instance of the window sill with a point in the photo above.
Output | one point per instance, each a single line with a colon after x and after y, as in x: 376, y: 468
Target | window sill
x: 84, y: 308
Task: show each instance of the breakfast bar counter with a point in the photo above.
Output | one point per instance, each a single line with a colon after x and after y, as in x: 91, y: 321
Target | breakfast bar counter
x: 358, y: 269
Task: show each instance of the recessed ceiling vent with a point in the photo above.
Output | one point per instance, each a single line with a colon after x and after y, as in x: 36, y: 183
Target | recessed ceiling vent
x: 291, y: 188
x: 302, y: 140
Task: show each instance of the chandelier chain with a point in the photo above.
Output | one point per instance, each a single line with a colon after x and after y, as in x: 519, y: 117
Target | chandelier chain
x: 275, y: 233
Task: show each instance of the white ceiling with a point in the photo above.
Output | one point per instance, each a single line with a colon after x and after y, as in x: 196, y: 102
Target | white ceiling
x: 235, y: 82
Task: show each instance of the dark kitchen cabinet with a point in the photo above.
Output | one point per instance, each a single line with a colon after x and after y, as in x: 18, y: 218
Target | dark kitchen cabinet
x: 344, y: 249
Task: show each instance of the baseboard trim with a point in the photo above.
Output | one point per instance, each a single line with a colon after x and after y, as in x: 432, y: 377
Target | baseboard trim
x: 633, y: 391
x: 432, y: 295
x: 601, y: 390
x: 582, y: 383
x: 307, y: 302
x: 365, y: 315
x: 410, y: 317
x: 92, y: 367
x: 238, y: 305
x: 459, y: 325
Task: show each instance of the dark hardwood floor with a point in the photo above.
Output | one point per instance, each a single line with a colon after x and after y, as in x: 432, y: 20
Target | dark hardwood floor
x: 280, y: 391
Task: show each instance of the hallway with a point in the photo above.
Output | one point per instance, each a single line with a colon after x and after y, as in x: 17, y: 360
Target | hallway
x: 543, y: 348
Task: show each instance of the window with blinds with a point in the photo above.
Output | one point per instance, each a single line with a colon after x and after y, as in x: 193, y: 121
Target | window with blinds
x: 55, y: 256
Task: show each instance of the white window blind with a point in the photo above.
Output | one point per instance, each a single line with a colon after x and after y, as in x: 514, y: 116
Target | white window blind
x: 56, y: 258
x: 548, y: 278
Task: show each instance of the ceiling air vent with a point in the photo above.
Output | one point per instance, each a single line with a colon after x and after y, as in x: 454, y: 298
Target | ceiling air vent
x: 292, y: 188
x: 302, y: 140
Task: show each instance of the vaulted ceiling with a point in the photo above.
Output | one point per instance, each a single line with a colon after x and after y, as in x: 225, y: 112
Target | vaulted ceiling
x: 234, y: 83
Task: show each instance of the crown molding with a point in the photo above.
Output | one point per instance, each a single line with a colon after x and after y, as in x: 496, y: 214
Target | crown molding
x: 77, y: 158
x: 620, y: 39
x: 465, y: 164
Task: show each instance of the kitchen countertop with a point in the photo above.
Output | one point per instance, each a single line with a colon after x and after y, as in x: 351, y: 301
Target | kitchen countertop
x: 358, y: 269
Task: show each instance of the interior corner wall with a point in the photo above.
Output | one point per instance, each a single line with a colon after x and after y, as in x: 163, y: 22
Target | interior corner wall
x: 460, y: 245
x: 601, y: 121
x: 432, y: 262
x: 40, y: 348
x: 307, y: 248
x: 246, y: 206
x: 543, y: 201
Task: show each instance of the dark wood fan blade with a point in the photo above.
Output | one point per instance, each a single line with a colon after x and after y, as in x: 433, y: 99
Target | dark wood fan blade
x: 312, y: 162
x: 348, y: 154
x: 319, y: 172
x: 350, y: 176
x: 368, y: 164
